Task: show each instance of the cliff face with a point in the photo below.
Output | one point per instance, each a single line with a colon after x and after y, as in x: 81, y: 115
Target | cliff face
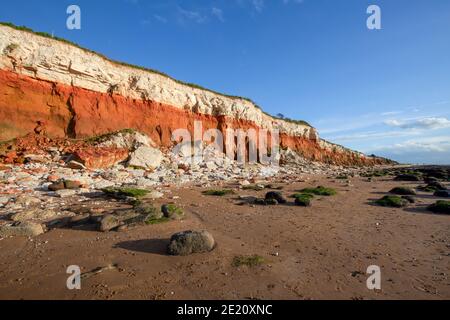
x: 75, y: 93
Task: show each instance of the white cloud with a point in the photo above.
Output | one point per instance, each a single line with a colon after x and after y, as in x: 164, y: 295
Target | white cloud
x: 217, y: 13
x: 293, y: 1
x: 258, y: 5
x: 423, y: 123
x: 374, y: 135
x: 390, y: 113
x: 160, y: 18
x: 431, y: 144
x: 194, y: 16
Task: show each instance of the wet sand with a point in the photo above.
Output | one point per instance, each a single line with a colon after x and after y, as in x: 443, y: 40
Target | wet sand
x: 318, y: 252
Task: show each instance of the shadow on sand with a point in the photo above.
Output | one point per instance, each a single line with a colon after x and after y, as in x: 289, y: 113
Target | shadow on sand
x: 155, y: 246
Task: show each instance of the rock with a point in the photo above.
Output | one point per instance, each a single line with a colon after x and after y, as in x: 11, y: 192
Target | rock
x: 271, y: 202
x: 34, y: 214
x: 403, y: 191
x: 437, y: 185
x: 35, y: 158
x: 148, y: 210
x: 4, y: 200
x: 24, y: 229
x: 211, y: 165
x: 52, y: 178
x: 115, y: 175
x: 100, y: 157
x: 188, y: 242
x: 56, y: 186
x: 442, y: 194
x: 407, y: 177
x: 430, y: 179
x: 409, y: 198
x: 76, y: 165
x: 126, y: 139
x: 275, y: 195
x: 441, y: 207
x: 145, y: 157
x: 392, y: 201
x: 303, y: 200
x: 145, y: 183
x: 261, y: 202
x: 248, y: 199
x: 172, y: 211
x: 71, y: 184
x: 109, y: 222
x: 65, y: 193
x: 244, y: 183
x: 433, y: 186
x: 27, y: 200
x: 80, y: 219
x: 155, y: 195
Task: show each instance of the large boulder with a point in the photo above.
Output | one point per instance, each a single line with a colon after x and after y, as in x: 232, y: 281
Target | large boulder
x: 22, y: 229
x: 127, y: 139
x: 146, y: 158
x: 26, y: 200
x: 100, y: 157
x: 109, y: 222
x: 188, y: 242
x: 34, y: 214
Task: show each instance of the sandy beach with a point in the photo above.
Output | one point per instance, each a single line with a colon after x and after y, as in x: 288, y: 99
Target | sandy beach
x: 317, y: 252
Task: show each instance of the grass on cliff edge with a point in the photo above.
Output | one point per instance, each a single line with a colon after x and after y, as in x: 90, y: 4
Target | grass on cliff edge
x: 192, y: 85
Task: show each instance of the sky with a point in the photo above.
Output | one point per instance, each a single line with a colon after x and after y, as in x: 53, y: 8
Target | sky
x: 383, y: 92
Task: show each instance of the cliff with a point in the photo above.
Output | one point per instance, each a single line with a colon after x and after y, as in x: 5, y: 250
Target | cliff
x: 76, y: 93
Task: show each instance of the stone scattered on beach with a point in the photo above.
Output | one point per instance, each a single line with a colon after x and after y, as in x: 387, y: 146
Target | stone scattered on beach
x: 441, y: 207
x: 34, y: 214
x: 146, y: 157
x: 392, y: 201
x: 172, y: 211
x: 276, y: 196
x: 109, y: 222
x: 188, y: 242
x: 26, y: 200
x: 407, y: 177
x: 442, y: 194
x: 24, y: 229
x: 64, y: 193
x: 409, y: 198
x: 303, y: 199
x: 404, y: 191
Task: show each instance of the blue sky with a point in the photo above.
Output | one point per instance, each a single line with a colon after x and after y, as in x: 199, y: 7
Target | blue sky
x: 378, y: 91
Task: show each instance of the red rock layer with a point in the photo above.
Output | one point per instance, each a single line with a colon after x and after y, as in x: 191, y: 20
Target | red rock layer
x: 28, y: 104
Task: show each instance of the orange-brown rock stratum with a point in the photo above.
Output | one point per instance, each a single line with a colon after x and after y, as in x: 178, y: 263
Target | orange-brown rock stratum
x: 66, y: 91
